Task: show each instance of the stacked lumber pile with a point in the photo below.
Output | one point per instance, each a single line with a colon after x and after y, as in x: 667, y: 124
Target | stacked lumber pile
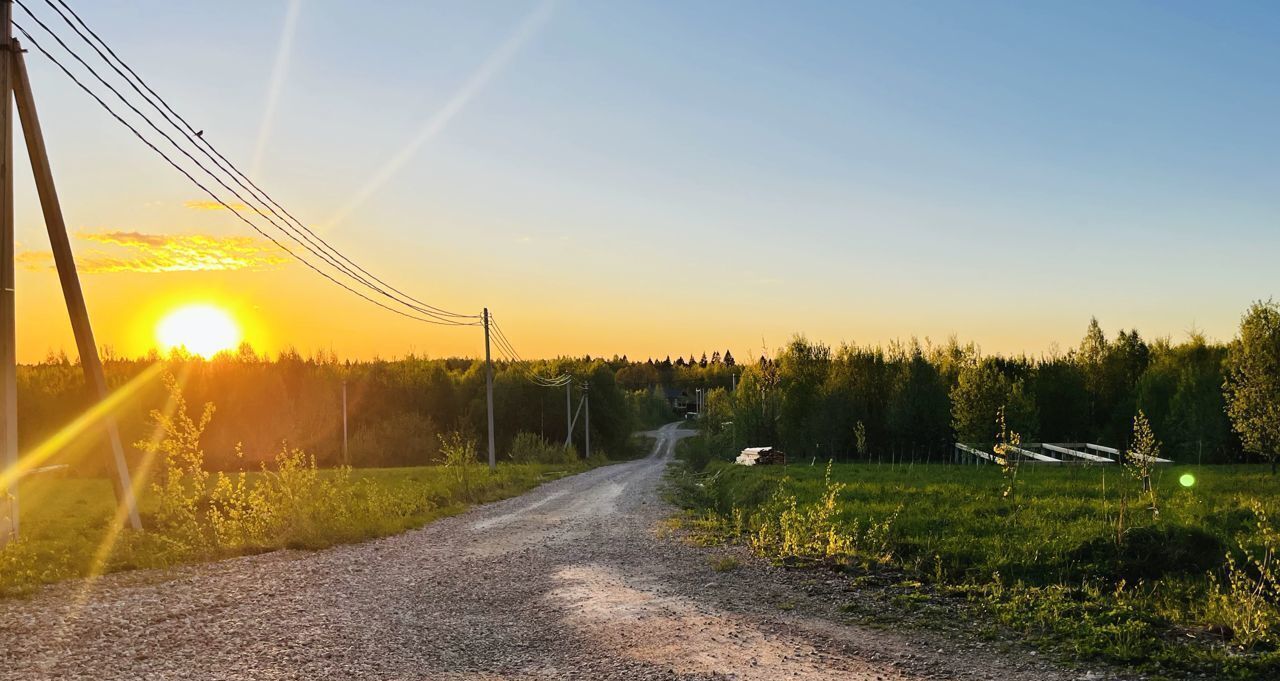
x: 760, y: 456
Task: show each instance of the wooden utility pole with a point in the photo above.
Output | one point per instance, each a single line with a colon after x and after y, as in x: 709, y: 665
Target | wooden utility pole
x: 488, y: 387
x: 66, y: 265
x: 568, y: 412
x: 586, y: 395
x: 346, y: 458
x: 8, y: 337
x: 14, y: 78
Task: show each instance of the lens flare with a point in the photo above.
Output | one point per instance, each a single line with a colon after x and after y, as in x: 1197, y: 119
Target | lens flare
x: 203, y: 330
x: 1187, y: 480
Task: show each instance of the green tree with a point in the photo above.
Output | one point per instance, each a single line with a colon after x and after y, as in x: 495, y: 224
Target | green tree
x: 1141, y: 455
x: 802, y: 373
x: 755, y: 405
x: 1181, y: 394
x: 920, y: 407
x: 1058, y: 387
x: 983, y: 393
x: 1252, y: 385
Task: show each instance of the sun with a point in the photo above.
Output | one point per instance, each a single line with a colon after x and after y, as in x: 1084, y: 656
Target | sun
x: 201, y: 329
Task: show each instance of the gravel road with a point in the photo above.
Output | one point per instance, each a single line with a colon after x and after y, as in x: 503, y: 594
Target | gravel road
x: 569, y: 581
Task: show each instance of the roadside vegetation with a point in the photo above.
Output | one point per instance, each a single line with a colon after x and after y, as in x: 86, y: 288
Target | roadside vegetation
x: 193, y: 512
x: 1072, y: 558
x: 1168, y: 569
x: 397, y: 410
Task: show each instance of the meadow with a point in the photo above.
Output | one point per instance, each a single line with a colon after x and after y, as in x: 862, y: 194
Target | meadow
x: 1073, y: 558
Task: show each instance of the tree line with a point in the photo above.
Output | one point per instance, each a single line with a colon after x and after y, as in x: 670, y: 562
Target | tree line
x: 1207, y: 402
x: 397, y: 409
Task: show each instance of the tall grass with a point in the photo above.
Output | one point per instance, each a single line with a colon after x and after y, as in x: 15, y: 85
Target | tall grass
x: 193, y: 514
x: 1194, y: 588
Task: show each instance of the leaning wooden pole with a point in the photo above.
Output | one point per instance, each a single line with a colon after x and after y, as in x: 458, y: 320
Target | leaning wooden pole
x: 8, y: 337
x: 65, y: 262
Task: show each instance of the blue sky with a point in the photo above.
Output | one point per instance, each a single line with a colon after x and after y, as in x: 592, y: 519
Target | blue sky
x: 654, y: 178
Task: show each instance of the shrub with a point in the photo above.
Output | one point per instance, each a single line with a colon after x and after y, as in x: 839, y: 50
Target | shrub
x: 181, y: 479
x: 460, y: 459
x: 785, y: 530
x: 1245, y: 604
x: 532, y: 448
x: 402, y: 438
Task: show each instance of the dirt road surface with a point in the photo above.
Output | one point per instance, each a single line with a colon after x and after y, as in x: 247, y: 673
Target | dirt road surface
x: 569, y: 581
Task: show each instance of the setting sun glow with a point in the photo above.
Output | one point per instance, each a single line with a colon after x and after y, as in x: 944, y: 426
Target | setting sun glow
x: 203, y: 330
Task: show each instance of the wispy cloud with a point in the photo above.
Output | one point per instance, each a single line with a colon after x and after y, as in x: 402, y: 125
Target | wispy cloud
x: 278, y: 72
x: 213, y: 205
x: 431, y: 127
x: 138, y: 252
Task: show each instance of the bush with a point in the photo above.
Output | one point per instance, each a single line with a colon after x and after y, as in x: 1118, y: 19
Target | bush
x: 403, y: 438
x: 531, y: 448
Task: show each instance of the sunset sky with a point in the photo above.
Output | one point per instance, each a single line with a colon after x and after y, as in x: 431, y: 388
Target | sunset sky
x: 661, y: 178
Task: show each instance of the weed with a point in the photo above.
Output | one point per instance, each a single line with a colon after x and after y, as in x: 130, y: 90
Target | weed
x: 725, y: 564
x: 1244, y: 607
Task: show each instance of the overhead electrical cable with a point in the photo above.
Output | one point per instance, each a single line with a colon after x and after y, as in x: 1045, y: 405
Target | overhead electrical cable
x: 438, y: 316
x: 198, y: 139
x: 440, y: 319
x: 210, y: 193
x: 504, y: 344
x: 290, y: 226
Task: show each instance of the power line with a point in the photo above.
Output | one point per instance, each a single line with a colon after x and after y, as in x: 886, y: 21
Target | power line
x: 197, y: 139
x: 440, y: 319
x: 194, y: 137
x: 210, y: 193
x: 507, y: 348
x: 504, y: 346
x: 520, y: 364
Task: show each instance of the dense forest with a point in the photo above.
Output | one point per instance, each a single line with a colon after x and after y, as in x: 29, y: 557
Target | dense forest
x: 913, y: 400
x: 1207, y: 402
x: 397, y: 409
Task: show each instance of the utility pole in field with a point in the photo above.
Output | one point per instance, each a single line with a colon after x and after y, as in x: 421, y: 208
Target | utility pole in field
x: 346, y: 458
x: 586, y: 395
x: 488, y: 388
x: 8, y: 336
x: 568, y: 412
x: 15, y: 80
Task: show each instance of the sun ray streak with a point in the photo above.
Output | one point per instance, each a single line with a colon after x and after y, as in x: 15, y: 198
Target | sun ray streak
x: 279, y: 72
x: 432, y: 127
x: 91, y: 418
x: 140, y: 479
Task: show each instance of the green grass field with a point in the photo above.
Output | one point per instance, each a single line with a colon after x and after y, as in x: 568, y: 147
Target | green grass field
x: 65, y: 521
x: 1073, y: 557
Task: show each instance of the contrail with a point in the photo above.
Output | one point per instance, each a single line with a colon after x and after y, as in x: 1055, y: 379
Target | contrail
x: 278, y: 73
x: 437, y: 122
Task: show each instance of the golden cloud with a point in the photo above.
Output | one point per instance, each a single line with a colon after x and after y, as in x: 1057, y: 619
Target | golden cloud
x: 213, y: 205
x: 138, y: 252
